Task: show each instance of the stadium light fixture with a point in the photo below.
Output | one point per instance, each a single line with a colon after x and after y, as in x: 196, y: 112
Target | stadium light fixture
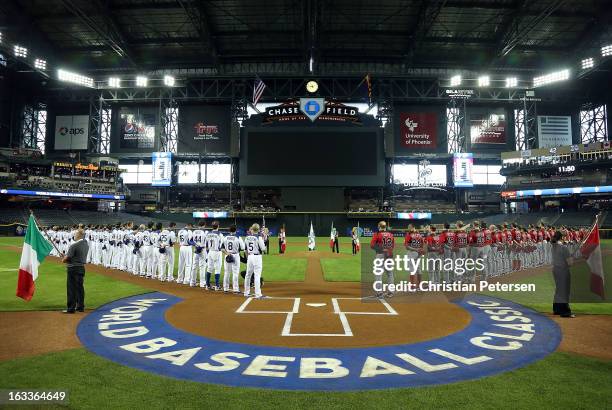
x: 606, y: 51
x: 587, y: 63
x: 40, y: 64
x: 20, y: 51
x: 114, y: 82
x: 0, y: 37
x: 484, y: 81
x: 553, y: 77
x: 169, y: 81
x: 75, y: 78
x: 455, y: 80
x: 141, y: 81
x: 511, y: 82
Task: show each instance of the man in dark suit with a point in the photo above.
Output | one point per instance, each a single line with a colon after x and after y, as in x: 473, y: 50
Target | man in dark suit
x: 75, y: 260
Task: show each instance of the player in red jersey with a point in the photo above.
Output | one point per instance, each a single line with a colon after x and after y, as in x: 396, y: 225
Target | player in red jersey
x: 383, y: 243
x: 435, y: 253
x: 414, y: 242
x: 490, y: 259
x: 498, y: 249
x: 461, y: 243
x: 450, y: 239
x: 517, y: 240
x: 508, y: 254
x: 540, y: 244
x: 477, y: 243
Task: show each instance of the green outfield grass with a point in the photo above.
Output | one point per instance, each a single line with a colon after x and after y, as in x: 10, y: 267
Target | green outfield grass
x: 560, y: 381
x: 51, y: 284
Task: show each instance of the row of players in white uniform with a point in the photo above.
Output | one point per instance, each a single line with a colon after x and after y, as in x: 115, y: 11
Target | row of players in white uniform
x: 148, y: 251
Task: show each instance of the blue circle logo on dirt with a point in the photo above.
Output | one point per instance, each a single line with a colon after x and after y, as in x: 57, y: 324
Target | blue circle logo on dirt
x: 500, y: 337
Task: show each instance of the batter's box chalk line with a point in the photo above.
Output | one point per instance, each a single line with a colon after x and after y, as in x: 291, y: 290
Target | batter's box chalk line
x: 347, y: 331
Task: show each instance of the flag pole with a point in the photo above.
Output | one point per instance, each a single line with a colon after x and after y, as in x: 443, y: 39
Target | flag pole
x: 38, y: 227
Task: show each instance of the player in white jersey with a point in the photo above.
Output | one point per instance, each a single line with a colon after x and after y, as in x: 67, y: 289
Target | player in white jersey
x: 254, y: 247
x: 231, y: 246
x: 154, y: 253
x: 138, y: 258
x: 106, y: 247
x: 214, y: 255
x: 99, y: 242
x: 126, y: 260
x: 164, y: 244
x: 51, y: 236
x: 199, y: 257
x: 145, y: 251
x: 66, y: 239
x: 170, y: 250
x: 87, y: 238
x: 94, y: 244
x: 185, y: 255
x: 118, y: 253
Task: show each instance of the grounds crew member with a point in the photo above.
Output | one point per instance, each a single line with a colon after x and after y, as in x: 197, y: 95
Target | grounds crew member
x: 75, y: 260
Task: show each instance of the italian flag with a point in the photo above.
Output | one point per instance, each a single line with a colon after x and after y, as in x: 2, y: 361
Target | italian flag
x: 35, y: 249
x: 591, y: 251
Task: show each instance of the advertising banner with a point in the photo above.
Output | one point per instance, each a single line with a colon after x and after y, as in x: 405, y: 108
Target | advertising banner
x: 205, y: 129
x: 488, y: 128
x: 137, y: 129
x: 419, y: 129
x: 71, y: 132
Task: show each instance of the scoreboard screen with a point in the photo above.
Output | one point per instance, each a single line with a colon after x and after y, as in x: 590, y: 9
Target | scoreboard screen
x: 312, y: 157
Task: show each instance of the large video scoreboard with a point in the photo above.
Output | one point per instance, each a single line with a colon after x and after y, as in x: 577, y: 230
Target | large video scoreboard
x: 312, y: 156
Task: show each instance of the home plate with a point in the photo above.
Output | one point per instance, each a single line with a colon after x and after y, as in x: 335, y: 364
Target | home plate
x: 316, y: 304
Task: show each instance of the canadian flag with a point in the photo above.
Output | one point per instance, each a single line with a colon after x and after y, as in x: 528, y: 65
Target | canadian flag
x: 591, y: 251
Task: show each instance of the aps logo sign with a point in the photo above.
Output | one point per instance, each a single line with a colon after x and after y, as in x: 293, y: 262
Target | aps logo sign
x: 71, y: 131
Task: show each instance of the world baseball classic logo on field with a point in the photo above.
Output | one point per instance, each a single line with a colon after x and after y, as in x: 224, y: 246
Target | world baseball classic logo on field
x: 419, y: 129
x: 500, y: 336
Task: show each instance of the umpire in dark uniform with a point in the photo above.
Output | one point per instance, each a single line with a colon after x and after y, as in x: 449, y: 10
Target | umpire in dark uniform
x: 75, y: 260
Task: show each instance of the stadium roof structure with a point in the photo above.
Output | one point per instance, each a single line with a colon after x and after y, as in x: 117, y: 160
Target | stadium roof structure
x: 280, y: 37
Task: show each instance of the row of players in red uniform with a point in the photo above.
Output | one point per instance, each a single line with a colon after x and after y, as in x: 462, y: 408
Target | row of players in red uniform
x: 503, y: 248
